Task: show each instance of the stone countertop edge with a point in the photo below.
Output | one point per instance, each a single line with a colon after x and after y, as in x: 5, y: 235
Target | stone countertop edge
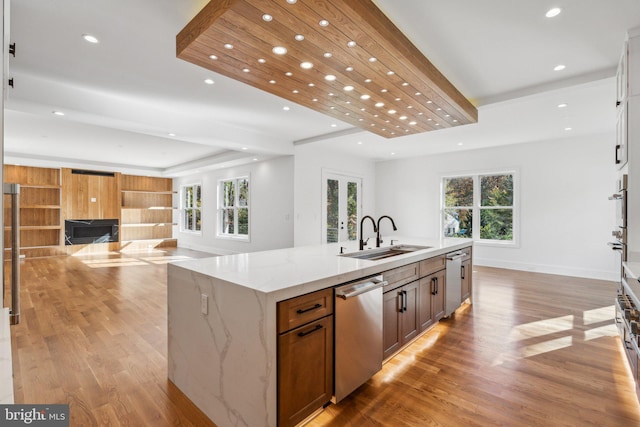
x: 281, y: 274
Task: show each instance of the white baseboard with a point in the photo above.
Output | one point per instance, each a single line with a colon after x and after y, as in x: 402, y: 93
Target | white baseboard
x: 549, y: 269
x: 6, y: 364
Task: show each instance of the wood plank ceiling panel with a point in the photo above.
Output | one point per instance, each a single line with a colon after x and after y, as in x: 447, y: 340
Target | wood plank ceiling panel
x: 363, y: 70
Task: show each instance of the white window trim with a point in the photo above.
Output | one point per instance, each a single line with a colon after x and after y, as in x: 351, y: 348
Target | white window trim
x: 182, y: 209
x: 219, y: 233
x: 515, y: 243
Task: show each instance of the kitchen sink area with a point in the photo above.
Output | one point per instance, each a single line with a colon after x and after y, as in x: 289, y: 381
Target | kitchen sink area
x: 381, y: 253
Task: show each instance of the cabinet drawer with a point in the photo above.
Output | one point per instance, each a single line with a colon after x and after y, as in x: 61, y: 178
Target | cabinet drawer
x: 401, y: 275
x: 297, y: 311
x: 432, y: 265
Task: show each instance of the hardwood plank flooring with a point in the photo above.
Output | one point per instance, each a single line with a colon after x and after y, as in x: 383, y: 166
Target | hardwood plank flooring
x: 533, y: 350
x: 93, y: 334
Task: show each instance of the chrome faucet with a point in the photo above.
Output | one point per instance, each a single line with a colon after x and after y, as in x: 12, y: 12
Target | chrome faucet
x: 375, y: 229
x: 378, y: 236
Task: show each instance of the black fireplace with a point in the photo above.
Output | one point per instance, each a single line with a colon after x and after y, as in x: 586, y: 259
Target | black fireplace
x: 83, y: 231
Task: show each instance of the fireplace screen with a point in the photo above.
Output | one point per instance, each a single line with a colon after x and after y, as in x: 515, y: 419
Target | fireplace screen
x: 87, y: 231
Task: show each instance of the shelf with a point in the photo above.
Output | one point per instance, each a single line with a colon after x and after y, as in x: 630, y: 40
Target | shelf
x: 57, y: 187
x: 152, y: 208
x: 149, y: 192
x: 36, y: 227
x: 39, y: 206
x: 160, y: 224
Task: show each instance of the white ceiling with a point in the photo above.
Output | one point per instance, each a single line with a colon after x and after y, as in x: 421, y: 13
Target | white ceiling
x: 123, y: 96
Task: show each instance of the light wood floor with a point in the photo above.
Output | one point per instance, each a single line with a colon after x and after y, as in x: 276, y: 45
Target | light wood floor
x: 533, y: 350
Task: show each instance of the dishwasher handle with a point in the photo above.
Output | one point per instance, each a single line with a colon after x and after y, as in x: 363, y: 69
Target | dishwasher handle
x: 356, y: 289
x: 456, y: 255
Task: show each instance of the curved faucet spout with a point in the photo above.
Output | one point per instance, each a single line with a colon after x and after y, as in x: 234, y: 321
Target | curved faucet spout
x: 378, y: 236
x: 375, y: 229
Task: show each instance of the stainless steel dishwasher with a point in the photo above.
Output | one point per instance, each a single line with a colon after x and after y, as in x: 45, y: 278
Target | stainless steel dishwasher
x: 453, y: 282
x: 358, y: 334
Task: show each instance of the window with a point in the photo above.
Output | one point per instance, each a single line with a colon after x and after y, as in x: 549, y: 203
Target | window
x: 233, y: 212
x: 480, y: 207
x: 191, y: 208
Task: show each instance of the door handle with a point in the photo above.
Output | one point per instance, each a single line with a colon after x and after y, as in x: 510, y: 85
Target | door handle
x: 304, y: 334
x: 404, y: 301
x: 462, y: 272
x: 434, y: 286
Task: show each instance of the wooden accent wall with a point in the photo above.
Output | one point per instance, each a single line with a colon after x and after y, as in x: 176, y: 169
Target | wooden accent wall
x: 90, y: 196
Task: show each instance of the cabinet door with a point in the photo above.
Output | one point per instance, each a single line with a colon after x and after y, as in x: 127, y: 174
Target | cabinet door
x: 427, y: 285
x: 410, y: 323
x: 305, y: 370
x: 391, y: 337
x: 465, y: 275
x: 437, y: 295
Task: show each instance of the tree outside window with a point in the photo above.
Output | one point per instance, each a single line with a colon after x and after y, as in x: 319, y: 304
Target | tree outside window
x: 191, y: 208
x: 234, y: 207
x: 480, y: 207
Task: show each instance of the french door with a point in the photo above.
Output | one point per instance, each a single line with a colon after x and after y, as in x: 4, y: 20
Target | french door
x: 341, y: 207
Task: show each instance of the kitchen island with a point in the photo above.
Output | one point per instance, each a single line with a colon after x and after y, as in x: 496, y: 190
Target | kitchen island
x: 222, y: 319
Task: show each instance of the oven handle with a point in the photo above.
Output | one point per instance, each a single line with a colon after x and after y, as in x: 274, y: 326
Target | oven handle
x: 351, y: 291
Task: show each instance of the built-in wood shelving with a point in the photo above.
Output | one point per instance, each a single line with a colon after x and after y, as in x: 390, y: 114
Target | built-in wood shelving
x: 40, y: 210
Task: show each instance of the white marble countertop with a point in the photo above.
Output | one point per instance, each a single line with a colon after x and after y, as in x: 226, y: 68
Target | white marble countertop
x: 284, y: 273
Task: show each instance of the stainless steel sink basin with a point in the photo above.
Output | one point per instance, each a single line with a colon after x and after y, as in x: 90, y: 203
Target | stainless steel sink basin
x: 381, y: 253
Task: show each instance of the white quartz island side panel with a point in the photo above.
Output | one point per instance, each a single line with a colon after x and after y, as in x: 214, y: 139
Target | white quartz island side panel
x: 225, y: 360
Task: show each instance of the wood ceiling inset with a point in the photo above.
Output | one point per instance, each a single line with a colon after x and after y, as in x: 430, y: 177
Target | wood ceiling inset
x: 381, y: 82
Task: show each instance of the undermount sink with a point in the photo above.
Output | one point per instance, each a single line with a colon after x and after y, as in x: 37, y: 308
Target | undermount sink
x: 381, y: 253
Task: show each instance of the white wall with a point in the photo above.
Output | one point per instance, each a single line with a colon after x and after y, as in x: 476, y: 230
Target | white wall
x: 310, y: 160
x: 271, y: 208
x: 565, y: 217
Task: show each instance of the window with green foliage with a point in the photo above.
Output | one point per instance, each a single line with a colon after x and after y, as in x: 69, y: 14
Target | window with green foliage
x: 233, y: 212
x: 480, y: 207
x: 191, y: 208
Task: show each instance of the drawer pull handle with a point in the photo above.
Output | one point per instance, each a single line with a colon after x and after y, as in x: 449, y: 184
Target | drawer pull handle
x: 301, y: 311
x: 304, y: 334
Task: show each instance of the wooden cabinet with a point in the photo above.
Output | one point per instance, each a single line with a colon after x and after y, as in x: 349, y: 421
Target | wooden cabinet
x: 466, y: 273
x: 305, y: 355
x: 147, y: 209
x: 400, y: 317
x: 40, y: 210
x: 90, y: 194
x: 431, y: 299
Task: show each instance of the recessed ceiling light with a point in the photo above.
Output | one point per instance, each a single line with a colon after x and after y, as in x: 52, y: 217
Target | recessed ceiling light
x: 299, y: 37
x: 367, y: 80
x: 405, y: 84
x: 559, y: 67
x: 563, y: 105
x: 397, y: 99
x: 393, y: 154
x: 272, y: 82
x: 306, y: 65
x: 460, y: 144
x: 331, y: 94
x: 90, y: 38
x: 379, y: 104
x: 555, y: 11
x: 365, y: 97
x: 288, y: 74
x: 245, y: 70
x: 429, y: 102
x: 58, y: 113
x: 438, y: 109
x: 330, y: 77
x: 292, y: 1
x: 244, y: 148
x: 418, y: 93
x: 296, y: 91
x: 568, y: 128
x: 403, y: 117
x: 279, y: 50
x: 262, y: 60
x: 255, y: 159
x: 333, y: 125
x: 390, y: 73
x: 391, y: 111
x: 349, y: 68
x: 209, y: 81
x: 286, y: 108
x: 213, y: 57
x: 359, y: 142
x: 323, y: 23
x: 409, y: 107
x: 312, y: 84
x: 228, y: 46
x: 413, y: 123
x: 327, y: 55
x: 348, y: 88
x: 171, y: 134
x: 372, y: 59
x: 351, y: 43
x: 455, y: 120
x: 315, y: 99
x: 267, y: 18
x: 384, y: 91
